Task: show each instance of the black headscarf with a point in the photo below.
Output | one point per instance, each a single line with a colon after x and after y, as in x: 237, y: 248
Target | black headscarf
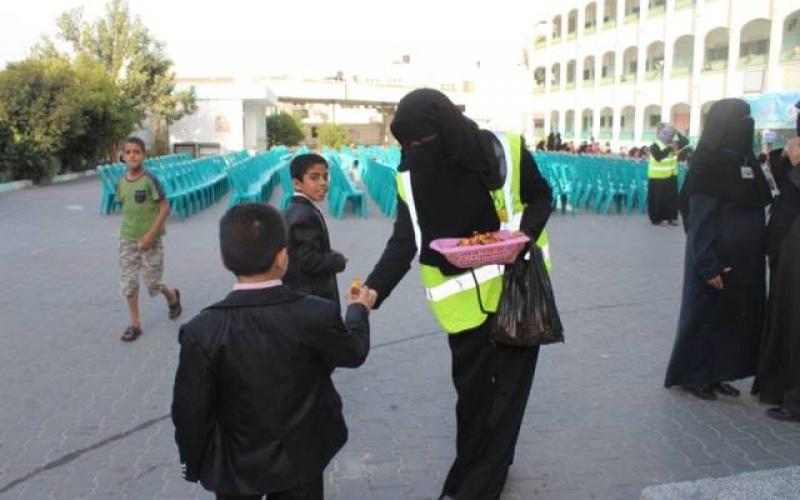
x: 723, y: 155
x: 452, y: 170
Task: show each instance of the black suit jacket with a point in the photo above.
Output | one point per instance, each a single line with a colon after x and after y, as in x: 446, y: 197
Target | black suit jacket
x: 312, y: 263
x: 254, y: 407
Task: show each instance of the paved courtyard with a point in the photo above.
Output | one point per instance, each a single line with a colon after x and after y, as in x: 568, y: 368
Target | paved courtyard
x: 83, y: 415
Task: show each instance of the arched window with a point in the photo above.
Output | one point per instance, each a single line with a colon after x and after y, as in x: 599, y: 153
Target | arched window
x: 679, y: 116
x: 754, y: 44
x: 654, y: 66
x: 790, y: 49
x: 590, y: 18
x: 683, y: 56
x: 716, y: 50
x: 588, y: 71
x: 608, y: 67
x: 630, y: 64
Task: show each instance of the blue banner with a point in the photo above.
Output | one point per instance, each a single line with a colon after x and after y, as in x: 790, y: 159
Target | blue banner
x: 775, y: 110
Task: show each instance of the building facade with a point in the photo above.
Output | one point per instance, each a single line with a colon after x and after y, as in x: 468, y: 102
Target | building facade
x: 613, y: 69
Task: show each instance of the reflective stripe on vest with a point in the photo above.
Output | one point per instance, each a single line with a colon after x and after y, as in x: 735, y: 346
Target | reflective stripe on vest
x: 665, y: 168
x: 454, y: 299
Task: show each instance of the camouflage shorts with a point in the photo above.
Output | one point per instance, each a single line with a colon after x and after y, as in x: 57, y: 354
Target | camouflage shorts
x: 150, y: 262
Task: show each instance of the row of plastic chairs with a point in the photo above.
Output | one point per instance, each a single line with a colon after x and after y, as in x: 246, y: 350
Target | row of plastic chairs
x: 381, y: 185
x: 194, y: 185
x: 387, y: 155
x: 597, y: 182
x: 254, y: 178
x: 111, y: 173
x: 190, y: 185
x: 341, y: 188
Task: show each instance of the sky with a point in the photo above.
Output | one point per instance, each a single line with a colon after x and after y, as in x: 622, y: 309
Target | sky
x: 295, y: 37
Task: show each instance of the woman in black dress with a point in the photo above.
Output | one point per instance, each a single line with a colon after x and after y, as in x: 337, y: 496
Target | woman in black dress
x: 724, y: 288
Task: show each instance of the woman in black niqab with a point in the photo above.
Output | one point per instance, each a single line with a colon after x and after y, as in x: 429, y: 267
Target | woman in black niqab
x: 453, y: 168
x: 724, y: 272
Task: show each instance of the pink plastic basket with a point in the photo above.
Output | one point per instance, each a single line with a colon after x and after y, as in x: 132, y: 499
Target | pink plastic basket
x: 504, y: 252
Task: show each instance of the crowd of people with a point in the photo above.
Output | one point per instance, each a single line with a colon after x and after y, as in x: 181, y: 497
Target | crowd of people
x: 595, y: 147
x: 255, y: 408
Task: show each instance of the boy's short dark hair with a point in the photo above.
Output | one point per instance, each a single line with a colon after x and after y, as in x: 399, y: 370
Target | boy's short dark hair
x: 137, y: 141
x: 250, y: 236
x: 301, y: 163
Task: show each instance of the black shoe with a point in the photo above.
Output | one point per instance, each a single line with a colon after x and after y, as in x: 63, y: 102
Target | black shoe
x: 705, y: 392
x: 782, y: 414
x: 726, y: 389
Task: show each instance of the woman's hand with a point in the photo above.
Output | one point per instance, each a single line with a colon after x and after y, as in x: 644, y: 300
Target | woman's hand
x: 716, y: 283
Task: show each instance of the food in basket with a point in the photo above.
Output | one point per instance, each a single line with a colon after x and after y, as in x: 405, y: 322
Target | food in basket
x: 480, y: 239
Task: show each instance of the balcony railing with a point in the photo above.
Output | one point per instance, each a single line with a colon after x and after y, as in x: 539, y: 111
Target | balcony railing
x: 556, y: 39
x: 586, y: 134
x: 572, y: 35
x: 588, y: 83
x: 588, y: 30
x: 653, y: 74
x: 792, y: 54
x: 609, y: 80
x: 610, y: 24
x: 631, y: 18
x: 626, y: 135
x: 569, y: 133
x: 605, y: 134
x: 628, y: 78
x: 717, y: 65
x: 555, y: 87
x: 657, y: 11
x: 753, y: 60
x: 681, y: 70
x: 539, y: 89
x: 682, y: 4
x: 540, y: 44
x: 570, y: 86
x: 649, y: 135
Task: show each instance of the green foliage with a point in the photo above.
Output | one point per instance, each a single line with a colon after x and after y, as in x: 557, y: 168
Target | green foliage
x: 70, y: 110
x: 131, y: 57
x: 38, y: 110
x: 283, y: 129
x: 105, y: 118
x: 332, y: 135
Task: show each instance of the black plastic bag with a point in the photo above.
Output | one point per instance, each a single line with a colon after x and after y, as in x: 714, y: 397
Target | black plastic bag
x: 527, y: 313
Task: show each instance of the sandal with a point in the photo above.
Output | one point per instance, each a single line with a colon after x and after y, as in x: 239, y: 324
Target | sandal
x: 131, y: 333
x: 175, y: 308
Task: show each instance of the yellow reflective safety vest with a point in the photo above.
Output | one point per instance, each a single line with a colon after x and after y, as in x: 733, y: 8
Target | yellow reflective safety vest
x: 454, y: 299
x: 664, y: 169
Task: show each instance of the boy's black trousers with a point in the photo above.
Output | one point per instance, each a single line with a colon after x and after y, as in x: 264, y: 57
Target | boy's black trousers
x: 493, y: 382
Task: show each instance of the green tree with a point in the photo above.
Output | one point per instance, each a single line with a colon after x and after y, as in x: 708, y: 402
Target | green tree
x: 132, y: 58
x: 104, y: 117
x: 39, y: 111
x: 332, y: 135
x: 284, y: 129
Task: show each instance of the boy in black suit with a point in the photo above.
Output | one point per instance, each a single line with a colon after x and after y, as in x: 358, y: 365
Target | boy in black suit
x: 254, y: 408
x: 312, y: 263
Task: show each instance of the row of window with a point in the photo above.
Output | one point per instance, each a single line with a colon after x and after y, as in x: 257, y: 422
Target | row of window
x: 631, y: 13
x: 753, y: 50
x: 754, y: 39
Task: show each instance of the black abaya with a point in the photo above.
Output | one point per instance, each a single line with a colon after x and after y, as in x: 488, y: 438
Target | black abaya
x: 719, y: 331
